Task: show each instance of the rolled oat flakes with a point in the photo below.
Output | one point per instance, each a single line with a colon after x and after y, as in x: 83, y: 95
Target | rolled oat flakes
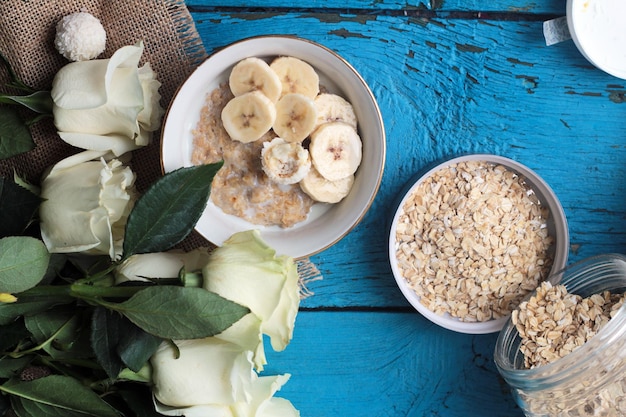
x: 472, y: 241
x: 552, y: 324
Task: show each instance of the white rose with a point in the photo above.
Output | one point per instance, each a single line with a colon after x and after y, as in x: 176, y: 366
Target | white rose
x: 107, y: 104
x: 214, y: 378
x: 207, y: 371
x: 146, y: 266
x: 263, y: 403
x: 87, y: 200
x: 247, y: 271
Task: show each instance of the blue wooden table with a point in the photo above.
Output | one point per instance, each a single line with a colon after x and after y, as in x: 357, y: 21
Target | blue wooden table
x: 452, y: 76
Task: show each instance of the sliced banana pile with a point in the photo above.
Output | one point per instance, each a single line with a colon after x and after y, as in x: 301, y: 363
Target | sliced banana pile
x: 284, y: 96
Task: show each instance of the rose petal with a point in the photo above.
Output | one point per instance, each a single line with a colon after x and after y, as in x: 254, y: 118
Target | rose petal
x: 116, y: 144
x: 150, y: 117
x: 263, y: 404
x: 246, y: 270
x: 208, y: 371
x: 247, y: 334
x: 80, y: 85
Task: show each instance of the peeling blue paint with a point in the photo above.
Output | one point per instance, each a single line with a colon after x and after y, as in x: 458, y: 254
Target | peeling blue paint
x: 465, y: 47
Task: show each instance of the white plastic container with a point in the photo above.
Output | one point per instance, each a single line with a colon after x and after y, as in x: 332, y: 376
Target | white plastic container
x: 597, y: 28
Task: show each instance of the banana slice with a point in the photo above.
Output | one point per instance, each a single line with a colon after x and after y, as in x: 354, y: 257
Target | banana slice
x: 296, y: 117
x: 285, y: 162
x: 325, y: 191
x: 249, y: 116
x: 334, y: 108
x: 254, y: 74
x: 296, y: 76
x: 336, y: 150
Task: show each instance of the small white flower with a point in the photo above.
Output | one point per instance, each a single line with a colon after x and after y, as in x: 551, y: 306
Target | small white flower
x: 107, y: 104
x: 80, y: 37
x: 87, y: 200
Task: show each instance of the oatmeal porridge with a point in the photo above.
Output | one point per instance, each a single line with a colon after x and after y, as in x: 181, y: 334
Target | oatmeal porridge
x: 286, y: 142
x: 241, y: 188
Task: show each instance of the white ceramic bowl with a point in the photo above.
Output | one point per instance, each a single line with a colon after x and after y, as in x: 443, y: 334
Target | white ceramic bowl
x: 326, y: 224
x: 557, y: 226
x: 597, y: 28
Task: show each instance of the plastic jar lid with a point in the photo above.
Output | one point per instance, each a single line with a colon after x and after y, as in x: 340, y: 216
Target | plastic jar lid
x: 597, y: 28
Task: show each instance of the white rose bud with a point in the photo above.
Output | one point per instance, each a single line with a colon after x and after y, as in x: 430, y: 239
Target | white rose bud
x: 107, y: 104
x: 86, y: 204
x: 148, y: 266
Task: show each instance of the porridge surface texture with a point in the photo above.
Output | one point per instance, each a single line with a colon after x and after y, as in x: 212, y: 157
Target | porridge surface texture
x: 241, y: 188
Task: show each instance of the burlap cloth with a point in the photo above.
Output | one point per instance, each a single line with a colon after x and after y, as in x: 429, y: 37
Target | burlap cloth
x: 172, y: 47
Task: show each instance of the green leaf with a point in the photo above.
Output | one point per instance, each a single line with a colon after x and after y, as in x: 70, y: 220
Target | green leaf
x: 39, y: 101
x: 169, y: 210
x: 9, y: 367
x: 23, y: 263
x: 180, y: 312
x: 24, y: 307
x: 11, y: 334
x: 27, y: 408
x: 5, y: 404
x: 17, y: 207
x: 15, y: 138
x: 105, y: 335
x: 64, y: 331
x: 15, y: 82
x: 65, y: 394
x: 117, y: 342
x: 25, y: 184
x: 136, y: 346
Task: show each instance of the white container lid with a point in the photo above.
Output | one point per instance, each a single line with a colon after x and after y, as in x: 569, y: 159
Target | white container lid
x: 598, y: 30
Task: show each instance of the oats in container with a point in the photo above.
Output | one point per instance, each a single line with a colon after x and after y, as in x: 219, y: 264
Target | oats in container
x: 472, y: 237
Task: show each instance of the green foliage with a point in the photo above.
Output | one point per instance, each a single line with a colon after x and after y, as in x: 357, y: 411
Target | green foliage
x: 117, y: 343
x: 71, y: 319
x: 15, y: 138
x: 56, y: 395
x: 39, y: 101
x: 180, y: 312
x: 17, y: 207
x: 23, y: 263
x: 169, y: 210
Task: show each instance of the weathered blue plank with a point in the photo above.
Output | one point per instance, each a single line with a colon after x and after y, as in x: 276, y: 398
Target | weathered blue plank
x: 500, y: 6
x: 389, y: 365
x: 445, y: 86
x: 453, y: 86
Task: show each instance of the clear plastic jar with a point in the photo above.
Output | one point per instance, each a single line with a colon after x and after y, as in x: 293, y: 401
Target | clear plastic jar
x: 591, y: 380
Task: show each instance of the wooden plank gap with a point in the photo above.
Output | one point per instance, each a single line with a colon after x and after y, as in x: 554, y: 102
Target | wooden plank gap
x: 408, y: 12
